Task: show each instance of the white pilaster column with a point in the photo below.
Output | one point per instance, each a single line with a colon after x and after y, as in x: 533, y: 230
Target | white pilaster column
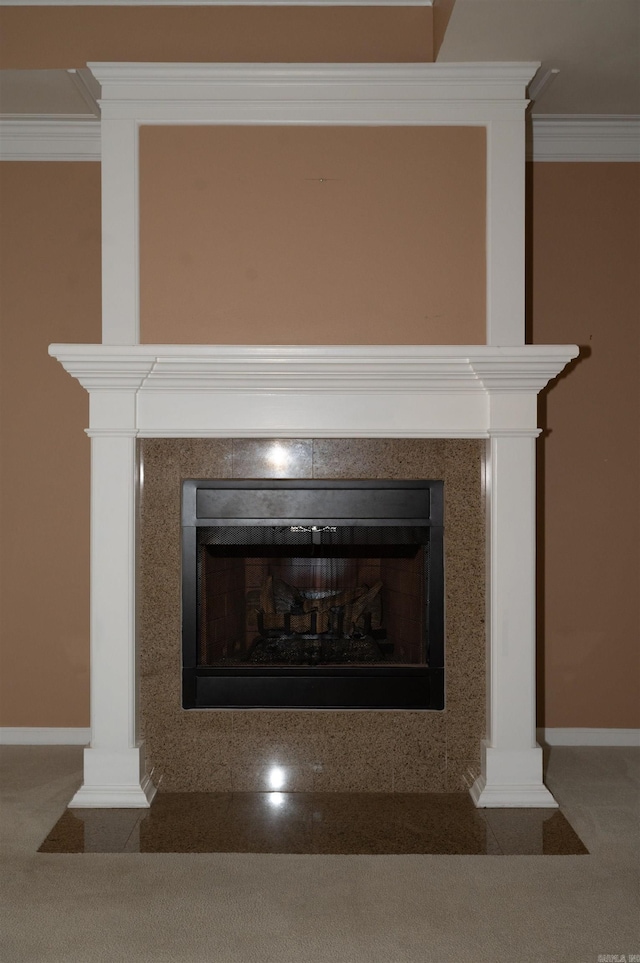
x: 120, y: 230
x: 506, y: 231
x: 114, y: 768
x: 511, y: 759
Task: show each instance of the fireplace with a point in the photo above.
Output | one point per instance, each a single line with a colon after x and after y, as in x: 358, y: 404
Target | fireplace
x: 389, y: 393
x: 312, y: 594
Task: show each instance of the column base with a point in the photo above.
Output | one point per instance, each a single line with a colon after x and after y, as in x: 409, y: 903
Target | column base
x: 114, y: 780
x: 511, y: 778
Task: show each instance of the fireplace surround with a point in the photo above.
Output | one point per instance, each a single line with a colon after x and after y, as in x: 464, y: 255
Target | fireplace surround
x: 181, y: 394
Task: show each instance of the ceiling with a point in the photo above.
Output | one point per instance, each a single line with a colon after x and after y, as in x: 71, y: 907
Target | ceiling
x: 595, y: 45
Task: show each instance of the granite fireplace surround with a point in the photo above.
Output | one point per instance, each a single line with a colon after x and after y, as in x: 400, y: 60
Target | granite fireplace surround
x: 317, y: 750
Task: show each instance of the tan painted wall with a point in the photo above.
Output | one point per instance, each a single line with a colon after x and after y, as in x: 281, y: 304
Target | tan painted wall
x: 63, y: 37
x: 50, y: 291
x: 313, y: 235
x: 586, y: 290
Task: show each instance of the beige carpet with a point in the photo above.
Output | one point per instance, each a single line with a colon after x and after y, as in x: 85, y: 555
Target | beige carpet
x: 214, y: 908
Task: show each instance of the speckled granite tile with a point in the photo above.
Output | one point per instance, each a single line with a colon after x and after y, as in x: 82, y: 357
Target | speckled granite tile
x: 347, y: 751
x: 419, y: 752
x: 391, y: 458
x: 416, y: 776
x: 290, y: 778
x: 354, y: 775
x: 461, y: 773
x: 275, y: 737
x: 464, y: 734
x: 272, y: 458
x: 203, y: 774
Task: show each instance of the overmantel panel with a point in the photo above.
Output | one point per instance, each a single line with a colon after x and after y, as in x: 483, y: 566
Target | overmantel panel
x: 488, y: 94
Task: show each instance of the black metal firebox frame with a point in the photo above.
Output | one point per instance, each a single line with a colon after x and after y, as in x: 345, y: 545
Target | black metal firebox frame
x: 268, y: 502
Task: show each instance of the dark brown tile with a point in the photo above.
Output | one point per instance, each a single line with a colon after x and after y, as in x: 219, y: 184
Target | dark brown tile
x: 314, y: 822
x: 534, y: 832
x: 91, y: 831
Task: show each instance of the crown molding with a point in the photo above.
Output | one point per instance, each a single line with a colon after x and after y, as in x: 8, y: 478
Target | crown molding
x: 254, y: 369
x: 556, y: 138
x: 65, y: 138
x: 594, y: 138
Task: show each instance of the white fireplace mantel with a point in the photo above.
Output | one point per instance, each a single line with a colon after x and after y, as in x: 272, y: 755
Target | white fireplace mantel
x: 395, y: 391
x: 313, y: 391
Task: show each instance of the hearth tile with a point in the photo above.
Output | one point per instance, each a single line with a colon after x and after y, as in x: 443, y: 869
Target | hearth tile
x: 272, y: 458
x: 226, y: 822
x: 384, y: 458
x: 534, y: 832
x: 91, y: 831
x: 340, y: 823
x: 185, y: 822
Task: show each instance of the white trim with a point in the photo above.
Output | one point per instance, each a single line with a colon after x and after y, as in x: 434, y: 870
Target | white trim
x: 67, y: 138
x: 115, y: 797
x: 567, y: 137
x: 589, y: 737
x: 43, y: 736
x: 555, y: 138
x: 87, y: 86
x: 512, y: 775
x: 352, y: 391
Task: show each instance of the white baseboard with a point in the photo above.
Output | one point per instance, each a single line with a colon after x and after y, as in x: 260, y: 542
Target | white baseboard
x: 589, y: 737
x: 48, y: 736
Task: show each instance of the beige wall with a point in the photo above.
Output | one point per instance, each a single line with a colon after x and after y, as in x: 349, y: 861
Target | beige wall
x: 586, y: 290
x: 50, y: 291
x: 312, y: 235
x: 63, y: 37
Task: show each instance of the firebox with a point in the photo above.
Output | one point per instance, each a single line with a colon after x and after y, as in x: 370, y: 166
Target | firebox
x: 312, y: 594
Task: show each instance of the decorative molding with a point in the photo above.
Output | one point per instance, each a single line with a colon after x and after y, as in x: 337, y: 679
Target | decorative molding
x: 435, y: 93
x: 566, y: 137
x: 66, y: 138
x: 555, y: 138
x: 115, y: 797
x: 314, y: 391
x: 355, y: 369
x: 43, y: 736
x: 88, y: 88
x: 536, y: 796
x: 589, y: 737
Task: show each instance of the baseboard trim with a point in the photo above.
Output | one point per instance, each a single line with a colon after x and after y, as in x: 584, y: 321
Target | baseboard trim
x: 44, y: 736
x: 589, y: 737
